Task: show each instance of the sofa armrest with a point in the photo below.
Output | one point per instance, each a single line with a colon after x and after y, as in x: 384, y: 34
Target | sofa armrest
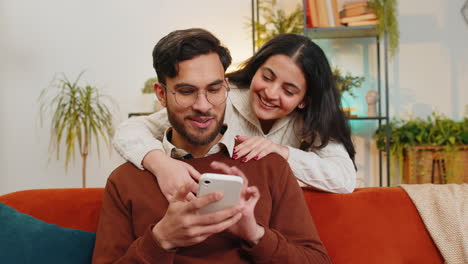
x: 76, y: 208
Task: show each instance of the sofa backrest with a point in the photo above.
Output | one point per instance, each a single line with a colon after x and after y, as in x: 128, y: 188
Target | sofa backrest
x: 370, y: 225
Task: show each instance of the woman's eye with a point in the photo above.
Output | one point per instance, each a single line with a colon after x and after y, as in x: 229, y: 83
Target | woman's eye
x: 288, y: 92
x: 267, y: 78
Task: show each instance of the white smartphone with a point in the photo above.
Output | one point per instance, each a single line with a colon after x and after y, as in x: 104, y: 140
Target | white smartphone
x: 229, y: 185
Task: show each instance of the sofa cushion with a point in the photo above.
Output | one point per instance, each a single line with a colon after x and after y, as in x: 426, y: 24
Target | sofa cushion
x: 25, y: 239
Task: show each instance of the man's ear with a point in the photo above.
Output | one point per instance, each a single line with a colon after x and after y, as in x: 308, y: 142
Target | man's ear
x: 160, y: 92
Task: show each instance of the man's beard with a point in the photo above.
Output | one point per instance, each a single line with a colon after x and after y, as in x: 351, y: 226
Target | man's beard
x: 199, y: 139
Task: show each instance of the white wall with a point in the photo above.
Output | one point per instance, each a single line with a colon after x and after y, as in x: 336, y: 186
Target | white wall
x: 430, y: 73
x: 112, y: 41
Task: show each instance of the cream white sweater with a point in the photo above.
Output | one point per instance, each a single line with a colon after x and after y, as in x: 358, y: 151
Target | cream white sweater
x: 329, y: 169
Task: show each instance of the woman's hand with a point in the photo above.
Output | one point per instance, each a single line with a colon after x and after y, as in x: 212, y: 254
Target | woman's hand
x: 247, y: 227
x: 257, y: 148
x: 172, y: 174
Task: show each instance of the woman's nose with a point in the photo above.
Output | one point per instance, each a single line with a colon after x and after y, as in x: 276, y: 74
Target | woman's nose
x: 272, y: 91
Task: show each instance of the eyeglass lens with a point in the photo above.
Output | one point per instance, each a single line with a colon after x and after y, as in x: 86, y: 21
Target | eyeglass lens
x: 187, y: 96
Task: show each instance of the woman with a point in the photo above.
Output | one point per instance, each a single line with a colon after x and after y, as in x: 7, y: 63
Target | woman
x: 292, y: 108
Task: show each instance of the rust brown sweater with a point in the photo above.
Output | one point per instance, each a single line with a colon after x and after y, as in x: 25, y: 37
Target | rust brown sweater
x: 133, y: 203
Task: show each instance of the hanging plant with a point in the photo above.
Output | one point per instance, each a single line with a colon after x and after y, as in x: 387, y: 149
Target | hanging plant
x: 386, y: 12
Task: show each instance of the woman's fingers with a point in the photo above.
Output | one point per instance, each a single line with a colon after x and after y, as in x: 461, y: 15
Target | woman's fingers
x: 242, y: 138
x: 193, y: 172
x: 253, y: 148
x: 247, y: 146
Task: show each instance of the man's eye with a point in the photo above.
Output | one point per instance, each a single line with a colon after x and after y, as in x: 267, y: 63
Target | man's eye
x: 185, y: 91
x: 214, y: 90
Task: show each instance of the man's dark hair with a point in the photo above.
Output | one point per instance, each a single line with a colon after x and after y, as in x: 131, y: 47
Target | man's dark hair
x: 181, y: 45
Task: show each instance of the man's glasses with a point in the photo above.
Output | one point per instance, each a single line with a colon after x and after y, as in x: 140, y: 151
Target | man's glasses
x: 187, y: 96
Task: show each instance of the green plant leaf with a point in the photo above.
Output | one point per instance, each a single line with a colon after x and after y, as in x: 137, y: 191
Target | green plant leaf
x: 77, y: 117
x: 274, y: 21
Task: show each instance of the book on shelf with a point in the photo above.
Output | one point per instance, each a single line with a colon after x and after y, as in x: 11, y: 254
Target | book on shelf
x: 307, y: 15
x: 369, y: 16
x: 331, y: 19
x: 322, y: 13
x: 363, y: 23
x: 336, y: 14
x: 355, y: 4
x: 311, y: 9
x: 356, y: 11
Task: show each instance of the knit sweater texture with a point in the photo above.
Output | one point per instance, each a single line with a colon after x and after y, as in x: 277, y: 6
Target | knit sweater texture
x: 133, y: 204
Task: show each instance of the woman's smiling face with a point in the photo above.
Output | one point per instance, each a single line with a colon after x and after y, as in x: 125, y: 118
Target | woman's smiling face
x: 277, y: 88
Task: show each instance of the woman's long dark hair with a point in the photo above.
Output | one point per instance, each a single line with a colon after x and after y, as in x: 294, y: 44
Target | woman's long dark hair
x: 322, y: 115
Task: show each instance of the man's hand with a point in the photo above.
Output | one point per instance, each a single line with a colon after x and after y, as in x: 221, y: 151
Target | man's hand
x: 183, y: 226
x: 171, y: 174
x: 247, y: 228
x: 257, y: 148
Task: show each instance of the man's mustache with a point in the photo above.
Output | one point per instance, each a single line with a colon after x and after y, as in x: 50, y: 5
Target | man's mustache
x: 196, y: 114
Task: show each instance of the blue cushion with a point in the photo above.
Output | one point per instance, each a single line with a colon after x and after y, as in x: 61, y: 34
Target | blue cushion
x: 25, y: 239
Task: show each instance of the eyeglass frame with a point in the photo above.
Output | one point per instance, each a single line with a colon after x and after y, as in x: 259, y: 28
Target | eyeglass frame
x: 204, y: 92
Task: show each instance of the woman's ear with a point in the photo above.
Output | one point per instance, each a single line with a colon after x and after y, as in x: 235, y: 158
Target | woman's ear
x: 302, y: 105
x: 160, y: 92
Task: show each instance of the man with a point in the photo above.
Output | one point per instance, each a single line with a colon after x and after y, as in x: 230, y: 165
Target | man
x: 138, y: 225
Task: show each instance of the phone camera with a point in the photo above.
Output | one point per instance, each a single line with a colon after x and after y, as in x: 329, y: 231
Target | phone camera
x: 206, y: 182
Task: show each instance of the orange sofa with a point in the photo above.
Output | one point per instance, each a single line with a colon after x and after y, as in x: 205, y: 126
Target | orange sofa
x: 371, y: 225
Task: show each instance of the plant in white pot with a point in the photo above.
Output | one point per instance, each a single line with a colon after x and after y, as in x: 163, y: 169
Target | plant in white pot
x: 81, y: 117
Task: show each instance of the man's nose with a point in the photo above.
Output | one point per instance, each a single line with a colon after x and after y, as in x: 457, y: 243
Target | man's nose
x: 201, y: 103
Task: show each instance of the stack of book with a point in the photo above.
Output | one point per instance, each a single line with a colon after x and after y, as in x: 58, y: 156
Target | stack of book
x: 358, y: 14
x: 330, y: 13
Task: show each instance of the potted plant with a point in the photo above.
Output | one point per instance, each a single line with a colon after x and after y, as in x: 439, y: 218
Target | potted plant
x: 276, y: 21
x: 346, y: 83
x: 427, y: 149
x: 80, y: 115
